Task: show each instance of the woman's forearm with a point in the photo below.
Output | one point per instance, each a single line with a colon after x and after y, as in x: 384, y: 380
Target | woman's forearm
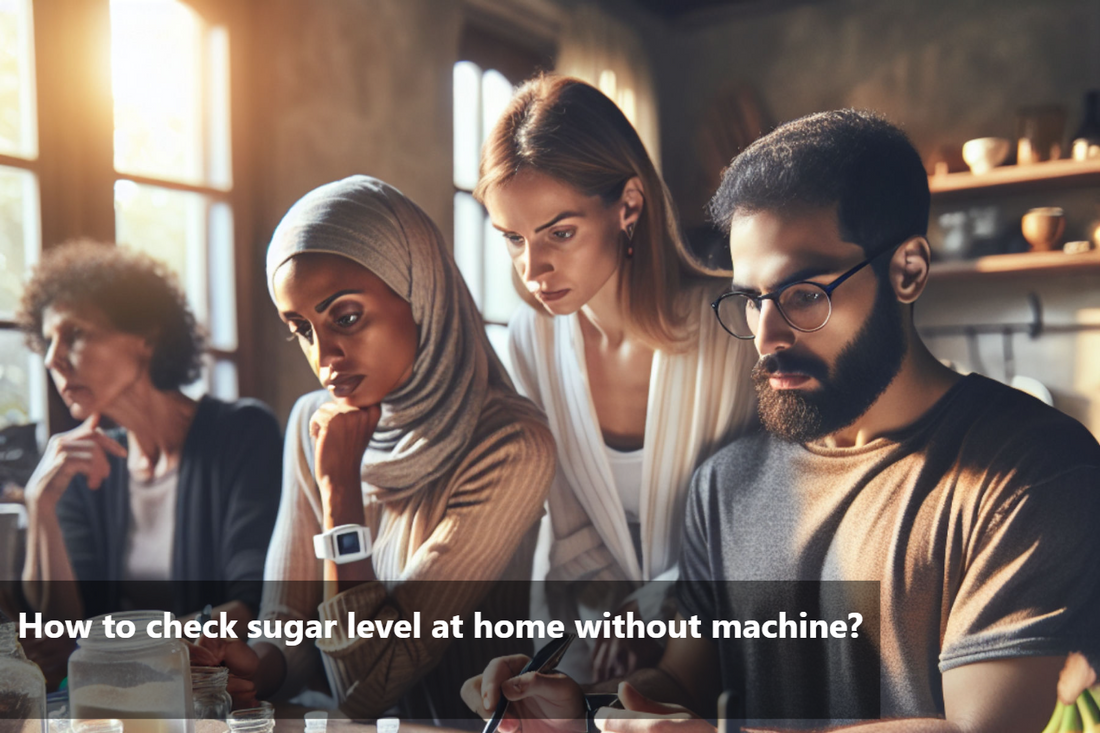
x: 271, y: 671
x: 49, y: 583
x: 344, y: 577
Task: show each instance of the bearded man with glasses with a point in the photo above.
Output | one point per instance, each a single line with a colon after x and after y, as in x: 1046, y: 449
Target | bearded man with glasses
x: 971, y: 505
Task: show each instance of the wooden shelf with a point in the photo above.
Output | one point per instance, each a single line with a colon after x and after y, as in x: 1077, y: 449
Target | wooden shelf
x: 1044, y: 263
x: 1016, y: 179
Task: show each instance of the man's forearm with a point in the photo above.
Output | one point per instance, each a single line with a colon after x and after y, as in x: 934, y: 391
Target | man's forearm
x: 657, y: 684
x: 907, y: 725
x: 901, y: 725
x: 271, y: 670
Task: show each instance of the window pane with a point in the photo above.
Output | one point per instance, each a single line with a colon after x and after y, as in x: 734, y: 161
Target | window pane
x: 496, y: 92
x: 223, y: 287
x: 224, y: 380
x: 22, y: 382
x: 501, y: 297
x: 219, y: 163
x: 171, y: 226
x: 18, y: 131
x: 469, y: 223
x: 18, y: 234
x: 467, y: 132
x: 156, y: 73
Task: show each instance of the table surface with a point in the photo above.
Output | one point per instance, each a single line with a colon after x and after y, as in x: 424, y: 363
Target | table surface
x: 291, y: 719
x: 293, y: 725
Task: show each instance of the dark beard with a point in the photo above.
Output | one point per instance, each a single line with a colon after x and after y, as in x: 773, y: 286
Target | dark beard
x: 863, y: 371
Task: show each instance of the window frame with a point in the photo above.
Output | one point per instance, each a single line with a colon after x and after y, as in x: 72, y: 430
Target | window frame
x: 75, y: 169
x: 489, y: 43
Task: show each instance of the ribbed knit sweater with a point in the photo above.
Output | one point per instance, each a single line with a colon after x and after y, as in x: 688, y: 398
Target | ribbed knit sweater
x: 476, y: 525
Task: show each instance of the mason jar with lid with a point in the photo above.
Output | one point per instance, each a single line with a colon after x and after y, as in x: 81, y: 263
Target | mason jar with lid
x: 142, y: 680
x: 22, y: 687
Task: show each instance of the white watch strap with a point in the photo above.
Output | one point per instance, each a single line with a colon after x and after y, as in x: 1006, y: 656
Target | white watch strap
x: 326, y: 544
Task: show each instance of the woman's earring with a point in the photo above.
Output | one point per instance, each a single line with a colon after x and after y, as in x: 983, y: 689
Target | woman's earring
x: 629, y: 231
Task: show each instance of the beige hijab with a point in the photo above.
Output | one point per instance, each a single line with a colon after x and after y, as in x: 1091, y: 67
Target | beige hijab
x: 427, y: 423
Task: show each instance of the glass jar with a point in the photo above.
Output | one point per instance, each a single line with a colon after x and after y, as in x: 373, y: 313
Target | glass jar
x: 106, y: 725
x: 210, y: 699
x: 144, y: 681
x: 316, y: 721
x: 260, y: 719
x: 22, y: 687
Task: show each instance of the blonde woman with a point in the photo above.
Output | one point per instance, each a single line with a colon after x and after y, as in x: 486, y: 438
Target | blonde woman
x: 619, y: 348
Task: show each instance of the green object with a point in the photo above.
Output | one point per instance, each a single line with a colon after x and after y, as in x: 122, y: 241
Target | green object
x: 1071, y: 720
x: 1056, y: 719
x: 1090, y: 711
x: 64, y: 684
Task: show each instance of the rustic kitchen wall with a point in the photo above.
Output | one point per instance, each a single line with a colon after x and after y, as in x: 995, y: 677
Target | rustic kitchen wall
x: 947, y: 71
x: 343, y: 87
x: 349, y: 86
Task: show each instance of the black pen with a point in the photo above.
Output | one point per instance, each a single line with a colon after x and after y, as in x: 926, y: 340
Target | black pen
x: 203, y: 617
x: 545, y: 659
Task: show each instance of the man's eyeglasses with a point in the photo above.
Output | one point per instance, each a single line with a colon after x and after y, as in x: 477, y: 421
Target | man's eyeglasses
x: 804, y: 305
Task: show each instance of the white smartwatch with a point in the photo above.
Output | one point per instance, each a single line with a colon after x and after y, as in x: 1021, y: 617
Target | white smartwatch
x: 346, y: 543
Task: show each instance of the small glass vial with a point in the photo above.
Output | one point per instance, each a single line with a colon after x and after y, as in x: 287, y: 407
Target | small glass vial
x: 22, y: 686
x: 210, y: 699
x: 260, y: 719
x: 316, y: 721
x: 100, y: 725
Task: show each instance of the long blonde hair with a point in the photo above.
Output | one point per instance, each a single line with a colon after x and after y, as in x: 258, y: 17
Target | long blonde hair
x: 570, y: 131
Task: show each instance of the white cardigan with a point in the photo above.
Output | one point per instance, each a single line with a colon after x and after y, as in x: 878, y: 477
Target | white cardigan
x: 698, y: 401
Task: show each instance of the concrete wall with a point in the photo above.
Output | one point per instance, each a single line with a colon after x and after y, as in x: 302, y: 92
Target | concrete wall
x: 343, y: 87
x: 946, y: 71
x: 364, y: 86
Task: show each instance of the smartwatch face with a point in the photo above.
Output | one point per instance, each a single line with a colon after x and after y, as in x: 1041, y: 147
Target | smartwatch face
x: 347, y: 543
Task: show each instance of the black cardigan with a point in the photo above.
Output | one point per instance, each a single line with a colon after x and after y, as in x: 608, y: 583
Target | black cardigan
x: 230, y: 475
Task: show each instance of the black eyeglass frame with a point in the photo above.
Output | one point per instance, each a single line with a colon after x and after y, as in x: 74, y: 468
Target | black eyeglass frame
x: 774, y: 296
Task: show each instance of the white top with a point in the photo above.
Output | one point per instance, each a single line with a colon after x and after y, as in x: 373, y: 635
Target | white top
x: 152, y: 528
x: 699, y: 398
x: 626, y: 472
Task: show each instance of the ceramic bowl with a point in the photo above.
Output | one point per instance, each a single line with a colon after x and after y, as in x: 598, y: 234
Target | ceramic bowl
x: 985, y: 153
x: 1043, y: 227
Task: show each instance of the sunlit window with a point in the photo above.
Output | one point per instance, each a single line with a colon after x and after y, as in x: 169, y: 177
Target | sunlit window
x: 623, y: 96
x: 479, y: 99
x: 22, y: 386
x: 170, y: 79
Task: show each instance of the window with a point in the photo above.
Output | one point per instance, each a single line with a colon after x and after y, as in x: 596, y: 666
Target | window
x: 169, y: 75
x: 22, y: 386
x: 484, y: 81
x: 479, y: 99
x: 125, y: 139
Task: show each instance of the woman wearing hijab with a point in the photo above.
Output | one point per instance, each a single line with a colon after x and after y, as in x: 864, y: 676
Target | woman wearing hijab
x: 418, y: 451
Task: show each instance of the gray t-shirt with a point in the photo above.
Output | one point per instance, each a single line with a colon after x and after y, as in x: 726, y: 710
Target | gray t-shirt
x: 979, y: 521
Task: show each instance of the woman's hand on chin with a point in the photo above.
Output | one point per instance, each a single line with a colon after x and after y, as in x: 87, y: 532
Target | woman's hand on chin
x: 84, y: 450
x: 341, y: 434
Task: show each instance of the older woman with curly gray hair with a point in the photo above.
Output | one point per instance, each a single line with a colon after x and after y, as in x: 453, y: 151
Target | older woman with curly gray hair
x: 181, y: 489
